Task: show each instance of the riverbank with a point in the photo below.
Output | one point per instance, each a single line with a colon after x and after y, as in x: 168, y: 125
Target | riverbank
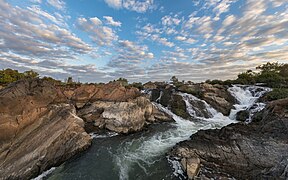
x: 112, y: 107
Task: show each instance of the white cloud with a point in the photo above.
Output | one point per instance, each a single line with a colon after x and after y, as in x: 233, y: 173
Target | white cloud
x: 59, y: 4
x: 228, y: 20
x: 102, y: 35
x: 111, y: 21
x: 180, y: 38
x: 95, y: 21
x: 169, y: 20
x: 132, y: 5
x: 36, y: 1
x: 117, y: 4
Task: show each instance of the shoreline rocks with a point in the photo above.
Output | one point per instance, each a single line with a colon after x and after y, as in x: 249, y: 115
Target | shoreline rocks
x: 254, y: 151
x: 40, y: 125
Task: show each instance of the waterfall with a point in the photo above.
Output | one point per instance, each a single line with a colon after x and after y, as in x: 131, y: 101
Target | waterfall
x: 247, y: 97
x: 147, y: 150
x: 142, y: 155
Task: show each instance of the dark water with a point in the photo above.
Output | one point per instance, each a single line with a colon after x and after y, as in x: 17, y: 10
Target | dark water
x: 120, y: 157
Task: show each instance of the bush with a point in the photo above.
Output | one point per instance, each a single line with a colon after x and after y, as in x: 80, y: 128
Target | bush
x: 277, y: 93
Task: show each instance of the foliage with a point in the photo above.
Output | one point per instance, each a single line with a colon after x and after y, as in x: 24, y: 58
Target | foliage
x: 273, y: 74
x: 277, y: 93
x: 9, y: 75
x: 138, y: 85
x: 176, y: 82
x: 54, y: 81
x: 122, y: 81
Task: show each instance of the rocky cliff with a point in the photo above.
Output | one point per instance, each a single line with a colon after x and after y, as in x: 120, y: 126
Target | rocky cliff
x: 43, y: 125
x: 217, y: 96
x: 254, y: 151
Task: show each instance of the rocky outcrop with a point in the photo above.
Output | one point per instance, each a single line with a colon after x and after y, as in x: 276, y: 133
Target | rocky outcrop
x: 100, y: 92
x: 37, y: 130
x: 242, y: 115
x: 40, y: 125
x: 254, y: 151
x: 215, y: 95
x: 122, y: 117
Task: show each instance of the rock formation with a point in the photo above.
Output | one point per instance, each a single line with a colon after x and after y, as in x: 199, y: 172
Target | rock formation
x: 254, y: 151
x: 35, y: 132
x: 215, y: 95
x: 40, y: 125
x: 122, y: 117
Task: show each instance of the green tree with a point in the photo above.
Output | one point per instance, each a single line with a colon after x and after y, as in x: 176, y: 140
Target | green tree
x: 31, y: 74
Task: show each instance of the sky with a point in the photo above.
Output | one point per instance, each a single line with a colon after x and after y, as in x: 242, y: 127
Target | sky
x: 142, y: 40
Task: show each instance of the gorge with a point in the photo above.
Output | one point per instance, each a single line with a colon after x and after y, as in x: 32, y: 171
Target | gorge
x: 130, y: 133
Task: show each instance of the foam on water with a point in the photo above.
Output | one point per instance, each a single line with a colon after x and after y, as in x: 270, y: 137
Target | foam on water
x: 142, y: 152
x: 44, y: 174
x: 103, y: 135
x: 146, y: 150
x: 247, y: 97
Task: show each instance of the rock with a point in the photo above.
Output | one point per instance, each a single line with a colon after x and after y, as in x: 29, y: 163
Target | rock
x: 242, y: 115
x: 37, y: 131
x: 150, y: 85
x: 254, y: 151
x: 191, y: 166
x: 218, y: 97
x: 178, y: 106
x: 215, y: 95
x: 122, y: 117
x: 101, y: 92
x: 193, y: 89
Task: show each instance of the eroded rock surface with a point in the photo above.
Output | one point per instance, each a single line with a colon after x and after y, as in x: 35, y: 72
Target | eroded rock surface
x: 254, y: 151
x: 122, y: 117
x: 40, y: 125
x: 37, y: 130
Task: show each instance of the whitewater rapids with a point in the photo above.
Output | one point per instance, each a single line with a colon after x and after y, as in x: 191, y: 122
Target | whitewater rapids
x: 142, y: 155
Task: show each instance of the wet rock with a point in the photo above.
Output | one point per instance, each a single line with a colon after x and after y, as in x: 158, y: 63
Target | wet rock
x: 254, y: 151
x: 242, y: 115
x: 218, y: 97
x: 178, y: 106
x: 215, y: 95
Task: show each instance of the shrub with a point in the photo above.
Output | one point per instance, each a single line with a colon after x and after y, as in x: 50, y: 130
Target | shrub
x: 277, y: 93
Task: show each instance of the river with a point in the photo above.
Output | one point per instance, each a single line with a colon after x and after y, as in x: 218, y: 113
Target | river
x: 142, y: 155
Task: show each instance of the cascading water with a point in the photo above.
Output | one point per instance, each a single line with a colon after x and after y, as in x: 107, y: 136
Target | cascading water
x: 142, y: 155
x: 247, y: 97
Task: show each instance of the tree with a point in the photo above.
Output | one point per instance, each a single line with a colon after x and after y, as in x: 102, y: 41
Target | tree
x: 70, y: 80
x: 122, y: 81
x: 31, y: 74
x: 174, y: 79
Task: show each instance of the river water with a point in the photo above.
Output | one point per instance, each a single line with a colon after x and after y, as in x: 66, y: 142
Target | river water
x: 142, y: 155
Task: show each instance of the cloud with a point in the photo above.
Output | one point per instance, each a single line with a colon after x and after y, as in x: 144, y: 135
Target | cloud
x: 36, y: 1
x: 117, y: 4
x: 100, y: 34
x: 180, y: 38
x: 111, y: 21
x: 139, y: 6
x: 130, y: 61
x: 169, y: 20
x: 58, y: 4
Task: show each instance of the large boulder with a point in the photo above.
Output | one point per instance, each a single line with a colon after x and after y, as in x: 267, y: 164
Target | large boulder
x: 122, y: 117
x: 37, y: 129
x: 218, y: 97
x: 113, y: 91
x: 254, y: 151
